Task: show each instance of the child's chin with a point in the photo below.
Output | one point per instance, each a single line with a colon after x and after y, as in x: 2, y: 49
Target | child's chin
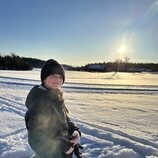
x: 56, y: 87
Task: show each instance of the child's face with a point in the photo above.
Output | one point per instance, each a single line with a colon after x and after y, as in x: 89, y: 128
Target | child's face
x: 53, y: 81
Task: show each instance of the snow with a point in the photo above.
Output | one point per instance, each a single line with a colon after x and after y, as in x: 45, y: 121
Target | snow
x: 116, y: 113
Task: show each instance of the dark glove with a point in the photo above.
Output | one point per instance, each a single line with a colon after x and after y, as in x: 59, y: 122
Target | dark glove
x: 77, y: 152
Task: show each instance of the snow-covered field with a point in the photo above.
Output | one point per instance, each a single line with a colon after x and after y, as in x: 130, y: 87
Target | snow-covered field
x: 117, y: 114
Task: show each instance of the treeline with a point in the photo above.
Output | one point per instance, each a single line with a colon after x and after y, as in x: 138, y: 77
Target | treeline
x: 118, y: 67
x: 15, y: 62
x: 35, y: 63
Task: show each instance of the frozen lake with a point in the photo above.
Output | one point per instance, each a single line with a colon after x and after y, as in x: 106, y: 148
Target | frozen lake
x: 117, y: 113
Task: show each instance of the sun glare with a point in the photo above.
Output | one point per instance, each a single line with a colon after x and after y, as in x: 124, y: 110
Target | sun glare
x: 122, y: 49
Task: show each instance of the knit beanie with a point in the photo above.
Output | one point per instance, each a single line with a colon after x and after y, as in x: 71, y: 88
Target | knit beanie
x: 52, y: 67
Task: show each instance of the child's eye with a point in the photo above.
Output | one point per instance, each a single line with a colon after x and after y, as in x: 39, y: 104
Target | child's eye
x: 56, y: 76
x: 53, y: 76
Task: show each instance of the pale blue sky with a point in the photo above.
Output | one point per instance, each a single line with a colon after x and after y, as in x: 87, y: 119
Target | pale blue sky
x: 78, y: 32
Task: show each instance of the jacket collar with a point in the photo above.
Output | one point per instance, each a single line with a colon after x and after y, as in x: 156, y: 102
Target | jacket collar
x: 53, y: 94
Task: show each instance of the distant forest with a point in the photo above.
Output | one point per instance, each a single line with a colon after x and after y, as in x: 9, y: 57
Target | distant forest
x: 119, y: 67
x: 15, y: 62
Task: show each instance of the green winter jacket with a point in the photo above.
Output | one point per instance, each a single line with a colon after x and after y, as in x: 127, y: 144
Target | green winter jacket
x: 47, y: 123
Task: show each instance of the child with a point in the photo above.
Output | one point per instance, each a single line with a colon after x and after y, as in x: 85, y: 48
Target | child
x: 51, y: 133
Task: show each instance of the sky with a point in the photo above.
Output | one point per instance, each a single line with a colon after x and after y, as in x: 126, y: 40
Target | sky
x: 77, y: 32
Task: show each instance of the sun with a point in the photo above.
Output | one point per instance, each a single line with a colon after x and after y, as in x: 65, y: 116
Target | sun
x: 122, y: 49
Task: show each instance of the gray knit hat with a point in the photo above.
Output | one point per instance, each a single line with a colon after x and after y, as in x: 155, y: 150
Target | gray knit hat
x: 52, y: 67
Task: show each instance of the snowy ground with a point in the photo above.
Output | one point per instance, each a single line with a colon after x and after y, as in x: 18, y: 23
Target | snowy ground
x: 117, y: 114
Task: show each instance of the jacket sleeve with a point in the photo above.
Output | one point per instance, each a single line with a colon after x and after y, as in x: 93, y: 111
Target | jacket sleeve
x: 72, y: 126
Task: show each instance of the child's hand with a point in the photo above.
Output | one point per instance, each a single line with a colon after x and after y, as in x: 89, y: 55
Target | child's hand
x: 75, y: 138
x: 71, y: 149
